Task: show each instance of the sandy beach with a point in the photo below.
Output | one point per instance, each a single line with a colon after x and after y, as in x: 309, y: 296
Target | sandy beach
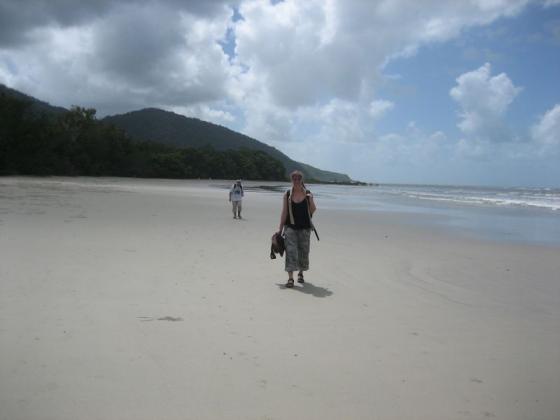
x: 144, y: 299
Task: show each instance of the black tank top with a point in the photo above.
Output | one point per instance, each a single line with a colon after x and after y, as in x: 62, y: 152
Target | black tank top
x: 301, y: 215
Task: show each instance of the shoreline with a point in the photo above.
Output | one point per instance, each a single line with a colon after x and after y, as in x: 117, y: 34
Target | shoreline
x: 488, y: 224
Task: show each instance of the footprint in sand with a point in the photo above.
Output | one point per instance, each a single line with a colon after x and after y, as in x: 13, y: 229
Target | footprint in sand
x: 170, y: 318
x: 164, y: 318
x: 145, y: 318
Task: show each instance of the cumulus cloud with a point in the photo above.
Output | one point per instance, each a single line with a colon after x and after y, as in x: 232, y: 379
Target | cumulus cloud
x: 19, y: 19
x: 117, y: 56
x: 546, y: 131
x: 206, y: 113
x: 380, y: 107
x: 177, y: 54
x: 413, y: 154
x: 291, y: 54
x: 300, y: 54
x: 308, y: 50
x: 414, y: 146
x: 484, y: 101
x: 343, y: 121
x: 336, y: 121
x: 263, y: 119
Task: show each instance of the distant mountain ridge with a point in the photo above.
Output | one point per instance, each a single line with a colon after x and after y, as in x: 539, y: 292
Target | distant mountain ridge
x: 165, y: 127
x: 176, y: 130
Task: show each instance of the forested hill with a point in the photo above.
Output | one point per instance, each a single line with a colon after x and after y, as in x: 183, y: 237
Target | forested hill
x: 36, y: 106
x: 73, y: 142
x: 179, y: 131
x: 42, y: 139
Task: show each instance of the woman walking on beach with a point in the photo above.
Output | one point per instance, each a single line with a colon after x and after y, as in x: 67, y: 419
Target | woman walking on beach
x: 235, y: 197
x: 297, y: 209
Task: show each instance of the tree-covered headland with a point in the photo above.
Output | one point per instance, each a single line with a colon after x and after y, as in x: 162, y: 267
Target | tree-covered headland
x: 75, y: 143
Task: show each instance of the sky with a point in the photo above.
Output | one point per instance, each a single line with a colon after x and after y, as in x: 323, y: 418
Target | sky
x: 400, y: 91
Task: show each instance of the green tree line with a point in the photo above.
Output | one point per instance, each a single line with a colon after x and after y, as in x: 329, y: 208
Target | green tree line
x: 75, y: 143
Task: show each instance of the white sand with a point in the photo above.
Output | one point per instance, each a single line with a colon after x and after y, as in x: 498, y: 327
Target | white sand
x: 136, y: 299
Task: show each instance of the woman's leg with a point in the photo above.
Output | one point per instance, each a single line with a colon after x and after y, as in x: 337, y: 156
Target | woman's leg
x: 303, y: 244
x: 290, y: 282
x: 291, y: 257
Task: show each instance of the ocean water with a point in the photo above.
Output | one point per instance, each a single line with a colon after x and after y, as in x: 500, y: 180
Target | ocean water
x: 530, y: 215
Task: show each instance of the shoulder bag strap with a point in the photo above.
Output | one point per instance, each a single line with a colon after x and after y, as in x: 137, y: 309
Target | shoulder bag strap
x: 310, y: 216
x: 290, y: 211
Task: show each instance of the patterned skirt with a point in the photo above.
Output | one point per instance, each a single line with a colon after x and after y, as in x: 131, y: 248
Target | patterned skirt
x: 297, y: 249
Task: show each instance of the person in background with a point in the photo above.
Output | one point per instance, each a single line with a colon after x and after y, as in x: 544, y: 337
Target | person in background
x: 235, y: 197
x: 297, y: 209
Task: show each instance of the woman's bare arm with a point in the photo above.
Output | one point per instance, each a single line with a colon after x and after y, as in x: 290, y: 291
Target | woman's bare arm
x: 312, y: 206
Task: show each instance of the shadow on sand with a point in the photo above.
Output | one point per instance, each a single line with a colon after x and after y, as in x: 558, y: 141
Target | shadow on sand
x: 308, y: 288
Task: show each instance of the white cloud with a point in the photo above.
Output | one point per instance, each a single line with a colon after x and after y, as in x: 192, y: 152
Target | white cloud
x: 379, y: 108
x: 474, y: 149
x: 411, y: 147
x: 343, y: 121
x: 546, y: 131
x: 336, y: 121
x: 301, y: 54
x: 413, y: 154
x: 307, y: 50
x: 127, y: 55
x: 205, y: 113
x: 484, y: 101
x: 266, y: 121
x: 294, y: 54
x: 20, y: 18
